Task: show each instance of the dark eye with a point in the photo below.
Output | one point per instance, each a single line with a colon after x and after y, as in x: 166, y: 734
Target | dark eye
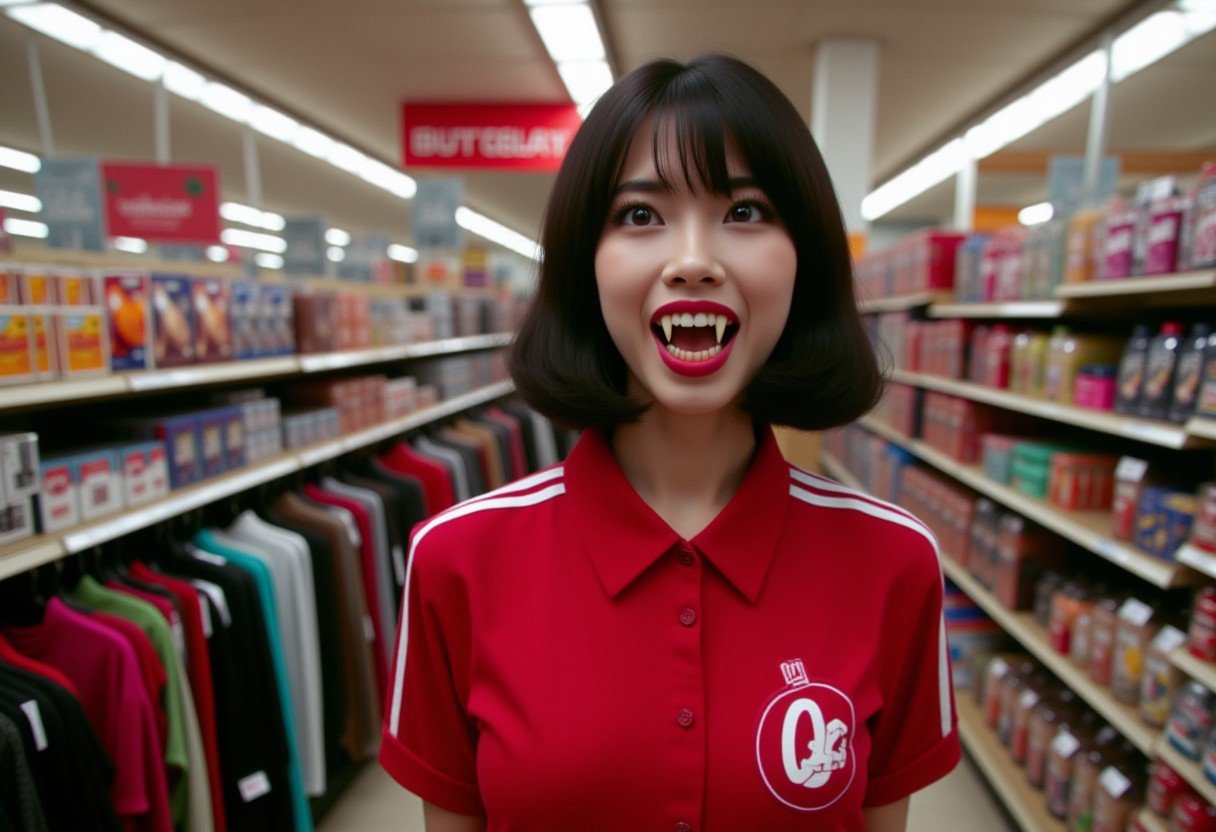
x: 746, y: 212
x: 639, y: 216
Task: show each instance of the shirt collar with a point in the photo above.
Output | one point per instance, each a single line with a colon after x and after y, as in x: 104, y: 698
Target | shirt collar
x: 624, y: 536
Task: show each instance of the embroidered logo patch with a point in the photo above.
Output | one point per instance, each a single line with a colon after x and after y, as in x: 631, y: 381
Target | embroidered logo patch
x: 804, y: 742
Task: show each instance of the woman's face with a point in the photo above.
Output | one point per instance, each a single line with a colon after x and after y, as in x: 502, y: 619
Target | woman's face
x: 695, y: 287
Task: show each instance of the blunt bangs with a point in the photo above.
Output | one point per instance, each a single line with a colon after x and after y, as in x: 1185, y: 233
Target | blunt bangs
x: 822, y: 372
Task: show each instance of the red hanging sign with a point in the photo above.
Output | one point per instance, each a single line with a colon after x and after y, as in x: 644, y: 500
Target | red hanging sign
x: 164, y: 203
x: 520, y: 137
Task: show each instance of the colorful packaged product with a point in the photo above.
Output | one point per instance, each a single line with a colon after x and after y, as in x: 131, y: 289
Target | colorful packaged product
x: 1203, y: 220
x: 127, y: 299
x: 172, y: 320
x: 1120, y: 245
x: 211, y: 428
x: 75, y: 289
x: 16, y: 345
x: 212, y: 330
x: 243, y: 318
x: 99, y: 480
x: 145, y: 471
x: 1164, y: 235
x: 277, y: 315
x: 234, y: 436
x: 82, y: 341
x: 60, y: 501
x: 179, y: 434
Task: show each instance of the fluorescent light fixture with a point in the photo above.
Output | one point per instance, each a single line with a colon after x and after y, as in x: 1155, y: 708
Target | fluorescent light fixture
x: 248, y: 215
x: 569, y: 32
x: 4, y: 3
x: 313, y: 142
x: 585, y: 81
x: 252, y: 239
x: 1036, y: 214
x: 553, y: 2
x: 337, y: 237
x: 937, y: 167
x: 134, y: 245
x: 495, y: 232
x: 335, y: 254
x: 271, y: 122
x: 20, y: 202
x: 346, y: 157
x: 1147, y: 42
x: 184, y: 81
x: 129, y: 56
x: 402, y: 254
x: 217, y: 254
x: 26, y: 228
x: 19, y: 160
x: 269, y: 261
x: 227, y: 102
x: 58, y: 22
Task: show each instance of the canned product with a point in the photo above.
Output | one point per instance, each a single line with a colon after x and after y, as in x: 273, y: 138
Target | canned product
x: 1190, y: 720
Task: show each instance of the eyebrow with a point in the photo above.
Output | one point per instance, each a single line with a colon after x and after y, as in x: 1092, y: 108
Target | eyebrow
x: 655, y: 186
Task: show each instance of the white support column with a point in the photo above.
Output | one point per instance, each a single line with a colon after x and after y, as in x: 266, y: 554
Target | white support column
x: 964, y: 196
x: 1099, y: 118
x: 160, y: 112
x: 41, y: 112
x: 843, y: 109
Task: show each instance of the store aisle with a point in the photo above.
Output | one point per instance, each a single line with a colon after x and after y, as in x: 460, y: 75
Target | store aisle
x: 958, y: 803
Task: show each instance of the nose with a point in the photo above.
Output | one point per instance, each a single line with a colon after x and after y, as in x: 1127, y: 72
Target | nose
x: 694, y: 261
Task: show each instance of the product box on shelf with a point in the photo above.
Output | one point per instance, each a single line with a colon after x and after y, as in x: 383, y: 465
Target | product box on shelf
x: 1203, y: 220
x: 212, y: 425
x: 98, y: 476
x: 10, y: 278
x: 1163, y: 245
x: 277, y: 320
x: 127, y: 299
x: 180, y: 435
x: 16, y: 346
x: 173, y: 322
x: 1163, y: 520
x: 19, y: 485
x: 75, y: 289
x: 60, y: 501
x: 82, y: 341
x: 1119, y: 252
x: 42, y: 329
x: 316, y: 322
x: 35, y: 287
x: 212, y: 330
x: 145, y: 471
x: 243, y: 320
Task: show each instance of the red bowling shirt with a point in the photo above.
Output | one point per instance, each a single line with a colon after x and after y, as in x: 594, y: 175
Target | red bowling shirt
x: 567, y: 661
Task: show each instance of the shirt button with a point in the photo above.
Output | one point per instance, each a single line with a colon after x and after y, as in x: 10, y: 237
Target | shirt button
x: 688, y: 617
x: 685, y: 554
x: 682, y: 827
x: 685, y: 718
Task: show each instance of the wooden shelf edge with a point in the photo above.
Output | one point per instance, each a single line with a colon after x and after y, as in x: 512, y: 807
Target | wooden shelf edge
x: 1162, y: 574
x: 1196, y: 668
x: 1162, y: 434
x: 1196, y: 558
x: 901, y: 303
x: 1149, y: 820
x: 1007, y: 309
x: 1191, y: 771
x: 25, y: 554
x: 1024, y: 802
x: 1178, y: 282
x: 1030, y: 636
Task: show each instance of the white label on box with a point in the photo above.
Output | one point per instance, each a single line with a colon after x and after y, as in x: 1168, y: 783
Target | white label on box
x: 1065, y: 744
x: 1136, y: 612
x: 157, y: 473
x: 135, y: 477
x: 1131, y: 469
x: 253, y: 786
x: 34, y: 717
x: 1114, y: 782
x: 59, y: 507
x: 98, y: 489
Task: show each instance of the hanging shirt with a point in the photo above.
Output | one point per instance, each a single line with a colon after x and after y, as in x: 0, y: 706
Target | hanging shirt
x: 19, y: 804
x: 436, y: 481
x: 453, y: 462
x: 782, y: 670
x: 381, y: 552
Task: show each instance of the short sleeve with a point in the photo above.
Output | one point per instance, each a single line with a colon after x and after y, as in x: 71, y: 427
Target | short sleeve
x: 915, y: 736
x: 429, y: 741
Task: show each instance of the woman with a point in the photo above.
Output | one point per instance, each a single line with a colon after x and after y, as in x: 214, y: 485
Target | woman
x: 675, y: 629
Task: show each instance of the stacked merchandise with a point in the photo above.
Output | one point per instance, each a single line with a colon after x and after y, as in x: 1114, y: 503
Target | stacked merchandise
x: 219, y: 672
x: 52, y: 325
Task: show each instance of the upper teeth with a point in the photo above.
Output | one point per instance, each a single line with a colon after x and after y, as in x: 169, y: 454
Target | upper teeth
x: 718, y: 322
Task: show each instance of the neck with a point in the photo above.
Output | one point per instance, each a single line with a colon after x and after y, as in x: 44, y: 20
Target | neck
x: 684, y: 467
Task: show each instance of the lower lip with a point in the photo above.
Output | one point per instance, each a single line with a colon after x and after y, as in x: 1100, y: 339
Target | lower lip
x: 693, y: 368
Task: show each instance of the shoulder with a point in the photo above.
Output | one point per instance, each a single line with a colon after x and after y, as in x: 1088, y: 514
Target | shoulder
x: 503, y: 517
x: 892, y: 532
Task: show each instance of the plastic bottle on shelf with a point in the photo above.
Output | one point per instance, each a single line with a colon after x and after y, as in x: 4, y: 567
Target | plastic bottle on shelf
x: 1131, y: 370
x: 1189, y: 373
x: 1053, y: 365
x: 1159, y: 371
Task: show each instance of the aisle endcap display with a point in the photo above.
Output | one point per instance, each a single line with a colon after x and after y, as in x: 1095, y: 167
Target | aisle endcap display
x: 1196, y: 668
x: 1022, y: 800
x: 1088, y: 529
x: 1010, y: 309
x: 27, y: 554
x: 1192, y: 772
x: 1163, y: 434
x: 45, y: 393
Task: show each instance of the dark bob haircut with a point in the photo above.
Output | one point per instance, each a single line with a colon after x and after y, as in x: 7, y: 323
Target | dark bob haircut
x: 822, y: 372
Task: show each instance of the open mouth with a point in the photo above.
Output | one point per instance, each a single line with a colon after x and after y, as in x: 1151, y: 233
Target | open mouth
x: 694, y: 336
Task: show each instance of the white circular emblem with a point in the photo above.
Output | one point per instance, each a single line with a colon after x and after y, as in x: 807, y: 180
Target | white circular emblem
x: 804, y: 742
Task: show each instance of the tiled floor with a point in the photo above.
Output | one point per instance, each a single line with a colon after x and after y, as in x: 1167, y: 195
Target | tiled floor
x: 959, y: 803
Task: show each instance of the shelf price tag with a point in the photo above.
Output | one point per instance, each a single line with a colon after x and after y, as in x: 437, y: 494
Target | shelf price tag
x: 1114, y: 782
x: 1065, y: 744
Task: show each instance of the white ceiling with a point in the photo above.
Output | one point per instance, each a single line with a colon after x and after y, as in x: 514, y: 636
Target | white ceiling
x: 346, y: 67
